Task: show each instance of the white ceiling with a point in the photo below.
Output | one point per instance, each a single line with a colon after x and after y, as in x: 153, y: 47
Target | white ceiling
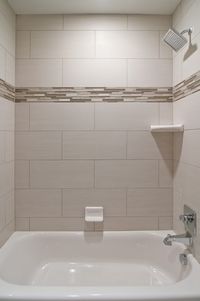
x: 94, y: 6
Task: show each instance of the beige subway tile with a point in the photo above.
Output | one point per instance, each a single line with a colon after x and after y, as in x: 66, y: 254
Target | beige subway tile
x: 60, y: 224
x: 126, y: 116
x: 158, y: 73
x: 187, y: 147
x: 38, y: 73
x: 6, y: 177
x: 38, y: 203
x: 62, y: 174
x: 66, y: 116
x: 165, y: 223
x: 39, y: 22
x: 166, y: 113
x: 10, y: 206
x: 63, y: 44
x: 165, y: 173
x: 7, y: 115
x: 149, y: 22
x: 21, y: 174
x: 6, y: 146
x: 7, y: 232
x: 38, y: 145
x: 128, y: 224
x: 112, y: 200
x: 94, y: 145
x: 95, y: 22
x: 145, y: 145
x: 21, y: 116
x: 127, y: 44
x: 22, y: 224
x: 3, y: 199
x: 126, y: 173
x: 186, y: 111
x: 2, y: 63
x: 23, y: 42
x: 10, y: 69
x: 94, y: 73
x: 7, y: 30
x: 149, y: 202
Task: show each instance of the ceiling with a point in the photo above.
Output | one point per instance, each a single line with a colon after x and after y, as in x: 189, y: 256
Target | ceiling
x: 94, y: 6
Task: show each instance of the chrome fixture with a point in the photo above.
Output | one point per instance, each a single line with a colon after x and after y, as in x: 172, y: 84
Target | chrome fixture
x: 183, y: 259
x: 175, y: 39
x: 185, y: 238
x: 189, y: 220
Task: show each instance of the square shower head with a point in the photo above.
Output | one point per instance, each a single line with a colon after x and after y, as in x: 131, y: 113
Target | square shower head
x: 174, y: 39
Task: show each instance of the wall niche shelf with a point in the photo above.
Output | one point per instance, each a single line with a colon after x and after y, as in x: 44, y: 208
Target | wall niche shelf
x: 167, y: 128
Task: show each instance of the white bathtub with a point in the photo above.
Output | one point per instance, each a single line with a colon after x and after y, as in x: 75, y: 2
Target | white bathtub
x: 95, y: 266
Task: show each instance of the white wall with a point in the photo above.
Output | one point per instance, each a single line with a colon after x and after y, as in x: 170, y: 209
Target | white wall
x: 7, y: 74
x: 69, y: 155
x: 101, y: 50
x: 186, y: 111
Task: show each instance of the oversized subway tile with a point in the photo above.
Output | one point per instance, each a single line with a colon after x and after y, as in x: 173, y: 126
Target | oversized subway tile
x: 39, y: 22
x: 38, y: 203
x: 57, y: 116
x: 126, y: 173
x: 94, y: 145
x: 21, y: 174
x: 112, y: 200
x: 149, y: 202
x: 145, y: 145
x: 38, y: 73
x: 150, y: 73
x: 22, y: 116
x: 62, y: 174
x: 95, y: 22
x: 60, y: 224
x: 148, y: 22
x: 38, y: 145
x: 128, y: 116
x: 127, y: 44
x: 128, y: 224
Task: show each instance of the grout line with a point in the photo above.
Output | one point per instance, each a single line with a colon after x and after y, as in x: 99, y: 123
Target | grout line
x: 62, y: 146
x: 29, y: 184
x: 95, y: 44
x: 94, y: 176
x: 62, y: 213
x: 30, y: 45
x: 29, y: 117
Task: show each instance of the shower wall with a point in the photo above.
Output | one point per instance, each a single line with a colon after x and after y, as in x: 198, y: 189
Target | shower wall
x: 7, y: 82
x: 186, y: 111
x: 88, y: 88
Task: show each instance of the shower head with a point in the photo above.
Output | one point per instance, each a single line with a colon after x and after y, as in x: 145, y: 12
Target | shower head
x: 175, y: 39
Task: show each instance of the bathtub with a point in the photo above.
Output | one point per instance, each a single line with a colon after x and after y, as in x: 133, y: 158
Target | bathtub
x: 96, y: 266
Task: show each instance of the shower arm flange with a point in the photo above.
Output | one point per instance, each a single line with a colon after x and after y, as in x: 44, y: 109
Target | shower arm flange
x: 189, y: 31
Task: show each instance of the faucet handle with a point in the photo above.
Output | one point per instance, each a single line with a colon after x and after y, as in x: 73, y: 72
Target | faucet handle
x: 187, y: 218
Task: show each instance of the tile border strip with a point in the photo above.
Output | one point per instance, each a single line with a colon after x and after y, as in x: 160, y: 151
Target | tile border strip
x: 187, y: 87
x: 7, y: 91
x: 94, y: 94
x: 101, y: 94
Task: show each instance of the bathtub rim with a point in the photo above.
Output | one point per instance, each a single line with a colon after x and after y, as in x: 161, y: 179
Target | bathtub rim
x: 175, y: 291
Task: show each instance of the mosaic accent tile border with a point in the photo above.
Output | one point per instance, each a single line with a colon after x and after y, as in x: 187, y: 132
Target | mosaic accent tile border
x: 186, y: 87
x: 94, y: 94
x: 7, y: 91
x: 101, y: 94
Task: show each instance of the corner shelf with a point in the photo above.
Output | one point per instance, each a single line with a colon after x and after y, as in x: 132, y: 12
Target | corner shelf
x: 167, y: 128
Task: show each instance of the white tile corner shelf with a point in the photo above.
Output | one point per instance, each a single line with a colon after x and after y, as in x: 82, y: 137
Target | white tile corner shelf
x: 167, y: 128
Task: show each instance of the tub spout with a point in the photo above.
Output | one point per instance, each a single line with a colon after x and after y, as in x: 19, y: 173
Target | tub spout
x: 185, y: 238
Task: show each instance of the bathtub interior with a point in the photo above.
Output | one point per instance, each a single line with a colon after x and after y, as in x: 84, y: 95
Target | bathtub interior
x: 91, y: 259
